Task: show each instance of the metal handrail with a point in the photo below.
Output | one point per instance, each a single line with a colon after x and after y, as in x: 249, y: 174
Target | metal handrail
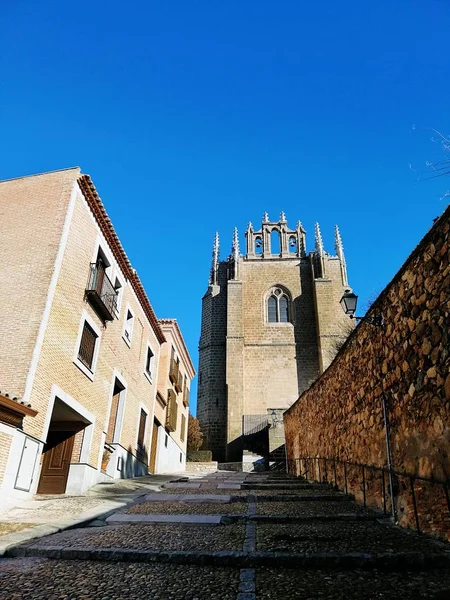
x: 362, y: 468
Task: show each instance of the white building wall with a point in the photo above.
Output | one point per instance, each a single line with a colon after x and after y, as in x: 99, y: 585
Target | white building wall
x: 168, y: 457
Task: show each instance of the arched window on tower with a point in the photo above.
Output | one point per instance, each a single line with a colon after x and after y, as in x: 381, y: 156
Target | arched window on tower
x: 258, y: 245
x: 277, y: 306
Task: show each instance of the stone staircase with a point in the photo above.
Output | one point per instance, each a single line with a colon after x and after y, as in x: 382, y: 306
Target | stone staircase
x: 238, y: 536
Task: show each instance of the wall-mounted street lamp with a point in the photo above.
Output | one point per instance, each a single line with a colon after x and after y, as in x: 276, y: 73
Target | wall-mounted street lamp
x: 274, y: 418
x: 349, y: 301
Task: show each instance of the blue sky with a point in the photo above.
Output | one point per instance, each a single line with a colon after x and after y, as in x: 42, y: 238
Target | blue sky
x: 193, y: 116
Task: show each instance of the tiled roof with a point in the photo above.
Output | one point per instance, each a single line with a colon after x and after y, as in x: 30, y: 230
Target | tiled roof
x: 15, y: 404
x: 104, y: 222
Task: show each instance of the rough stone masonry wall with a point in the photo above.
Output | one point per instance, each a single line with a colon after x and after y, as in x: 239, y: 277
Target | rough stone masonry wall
x: 341, y: 415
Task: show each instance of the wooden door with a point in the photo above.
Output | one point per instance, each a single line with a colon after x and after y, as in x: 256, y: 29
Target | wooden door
x: 56, y: 462
x: 153, y: 448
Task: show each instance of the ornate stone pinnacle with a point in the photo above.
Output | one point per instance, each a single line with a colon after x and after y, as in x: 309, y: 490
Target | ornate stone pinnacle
x: 215, y: 261
x: 338, y: 245
x: 249, y: 226
x: 340, y: 254
x: 319, y: 242
x: 282, y: 217
x: 235, y: 245
x: 300, y: 227
x: 265, y: 218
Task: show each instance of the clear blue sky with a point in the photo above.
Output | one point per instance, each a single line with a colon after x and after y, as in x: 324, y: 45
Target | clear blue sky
x: 193, y: 116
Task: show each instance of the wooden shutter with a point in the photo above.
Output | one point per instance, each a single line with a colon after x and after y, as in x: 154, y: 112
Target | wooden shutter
x: 141, y: 433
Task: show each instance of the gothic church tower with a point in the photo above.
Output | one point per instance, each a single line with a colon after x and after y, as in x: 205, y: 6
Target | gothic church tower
x: 271, y: 323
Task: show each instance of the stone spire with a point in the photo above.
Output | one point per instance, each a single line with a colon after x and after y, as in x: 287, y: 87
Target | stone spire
x: 340, y: 254
x: 320, y: 253
x: 265, y: 218
x: 282, y: 217
x: 301, y: 239
x: 235, y: 245
x: 233, y: 260
x: 319, y: 242
x: 215, y: 261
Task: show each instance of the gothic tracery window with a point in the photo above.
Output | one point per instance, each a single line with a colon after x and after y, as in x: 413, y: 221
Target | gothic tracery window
x: 277, y: 306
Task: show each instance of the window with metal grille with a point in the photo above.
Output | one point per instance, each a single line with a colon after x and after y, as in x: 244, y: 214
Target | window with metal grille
x: 141, y: 432
x: 278, y: 306
x: 87, y: 346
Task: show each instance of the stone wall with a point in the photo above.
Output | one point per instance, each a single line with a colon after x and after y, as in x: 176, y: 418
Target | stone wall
x: 408, y: 366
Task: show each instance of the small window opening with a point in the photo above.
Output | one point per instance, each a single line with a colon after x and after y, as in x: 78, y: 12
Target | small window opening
x: 87, y: 346
x: 149, y: 361
x: 128, y: 331
x: 258, y: 245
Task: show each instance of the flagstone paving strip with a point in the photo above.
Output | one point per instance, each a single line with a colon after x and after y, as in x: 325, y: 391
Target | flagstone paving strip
x: 313, y: 509
x: 45, y: 579
x: 187, y: 508
x: 342, y: 538
x: 201, y: 491
x: 162, y: 518
x: 150, y: 537
x: 284, y: 584
x: 187, y: 498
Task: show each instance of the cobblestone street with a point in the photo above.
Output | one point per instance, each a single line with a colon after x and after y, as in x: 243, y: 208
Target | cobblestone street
x: 231, y: 536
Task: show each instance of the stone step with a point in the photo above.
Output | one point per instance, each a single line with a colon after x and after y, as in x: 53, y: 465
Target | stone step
x: 386, y: 561
x: 277, y: 486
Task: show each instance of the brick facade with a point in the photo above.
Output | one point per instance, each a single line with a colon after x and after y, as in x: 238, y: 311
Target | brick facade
x: 170, y: 454
x: 48, y: 261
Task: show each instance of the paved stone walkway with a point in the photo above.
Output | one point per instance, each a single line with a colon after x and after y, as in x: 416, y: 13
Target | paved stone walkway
x: 44, y: 515
x: 231, y: 536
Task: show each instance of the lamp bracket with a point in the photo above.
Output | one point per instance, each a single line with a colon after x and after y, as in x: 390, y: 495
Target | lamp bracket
x: 376, y: 320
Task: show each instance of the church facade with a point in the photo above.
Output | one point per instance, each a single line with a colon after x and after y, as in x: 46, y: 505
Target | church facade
x: 271, y: 324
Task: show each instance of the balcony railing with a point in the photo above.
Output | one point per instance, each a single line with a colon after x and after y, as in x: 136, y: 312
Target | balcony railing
x: 100, y: 292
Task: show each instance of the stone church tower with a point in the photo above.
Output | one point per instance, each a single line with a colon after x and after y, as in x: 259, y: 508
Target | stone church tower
x: 271, y: 323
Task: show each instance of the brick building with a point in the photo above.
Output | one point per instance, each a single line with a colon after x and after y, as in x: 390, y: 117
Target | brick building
x: 80, y: 344
x: 176, y: 371
x: 271, y: 323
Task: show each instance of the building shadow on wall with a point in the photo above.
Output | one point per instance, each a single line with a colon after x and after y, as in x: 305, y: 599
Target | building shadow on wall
x: 305, y: 338
x: 135, y: 464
